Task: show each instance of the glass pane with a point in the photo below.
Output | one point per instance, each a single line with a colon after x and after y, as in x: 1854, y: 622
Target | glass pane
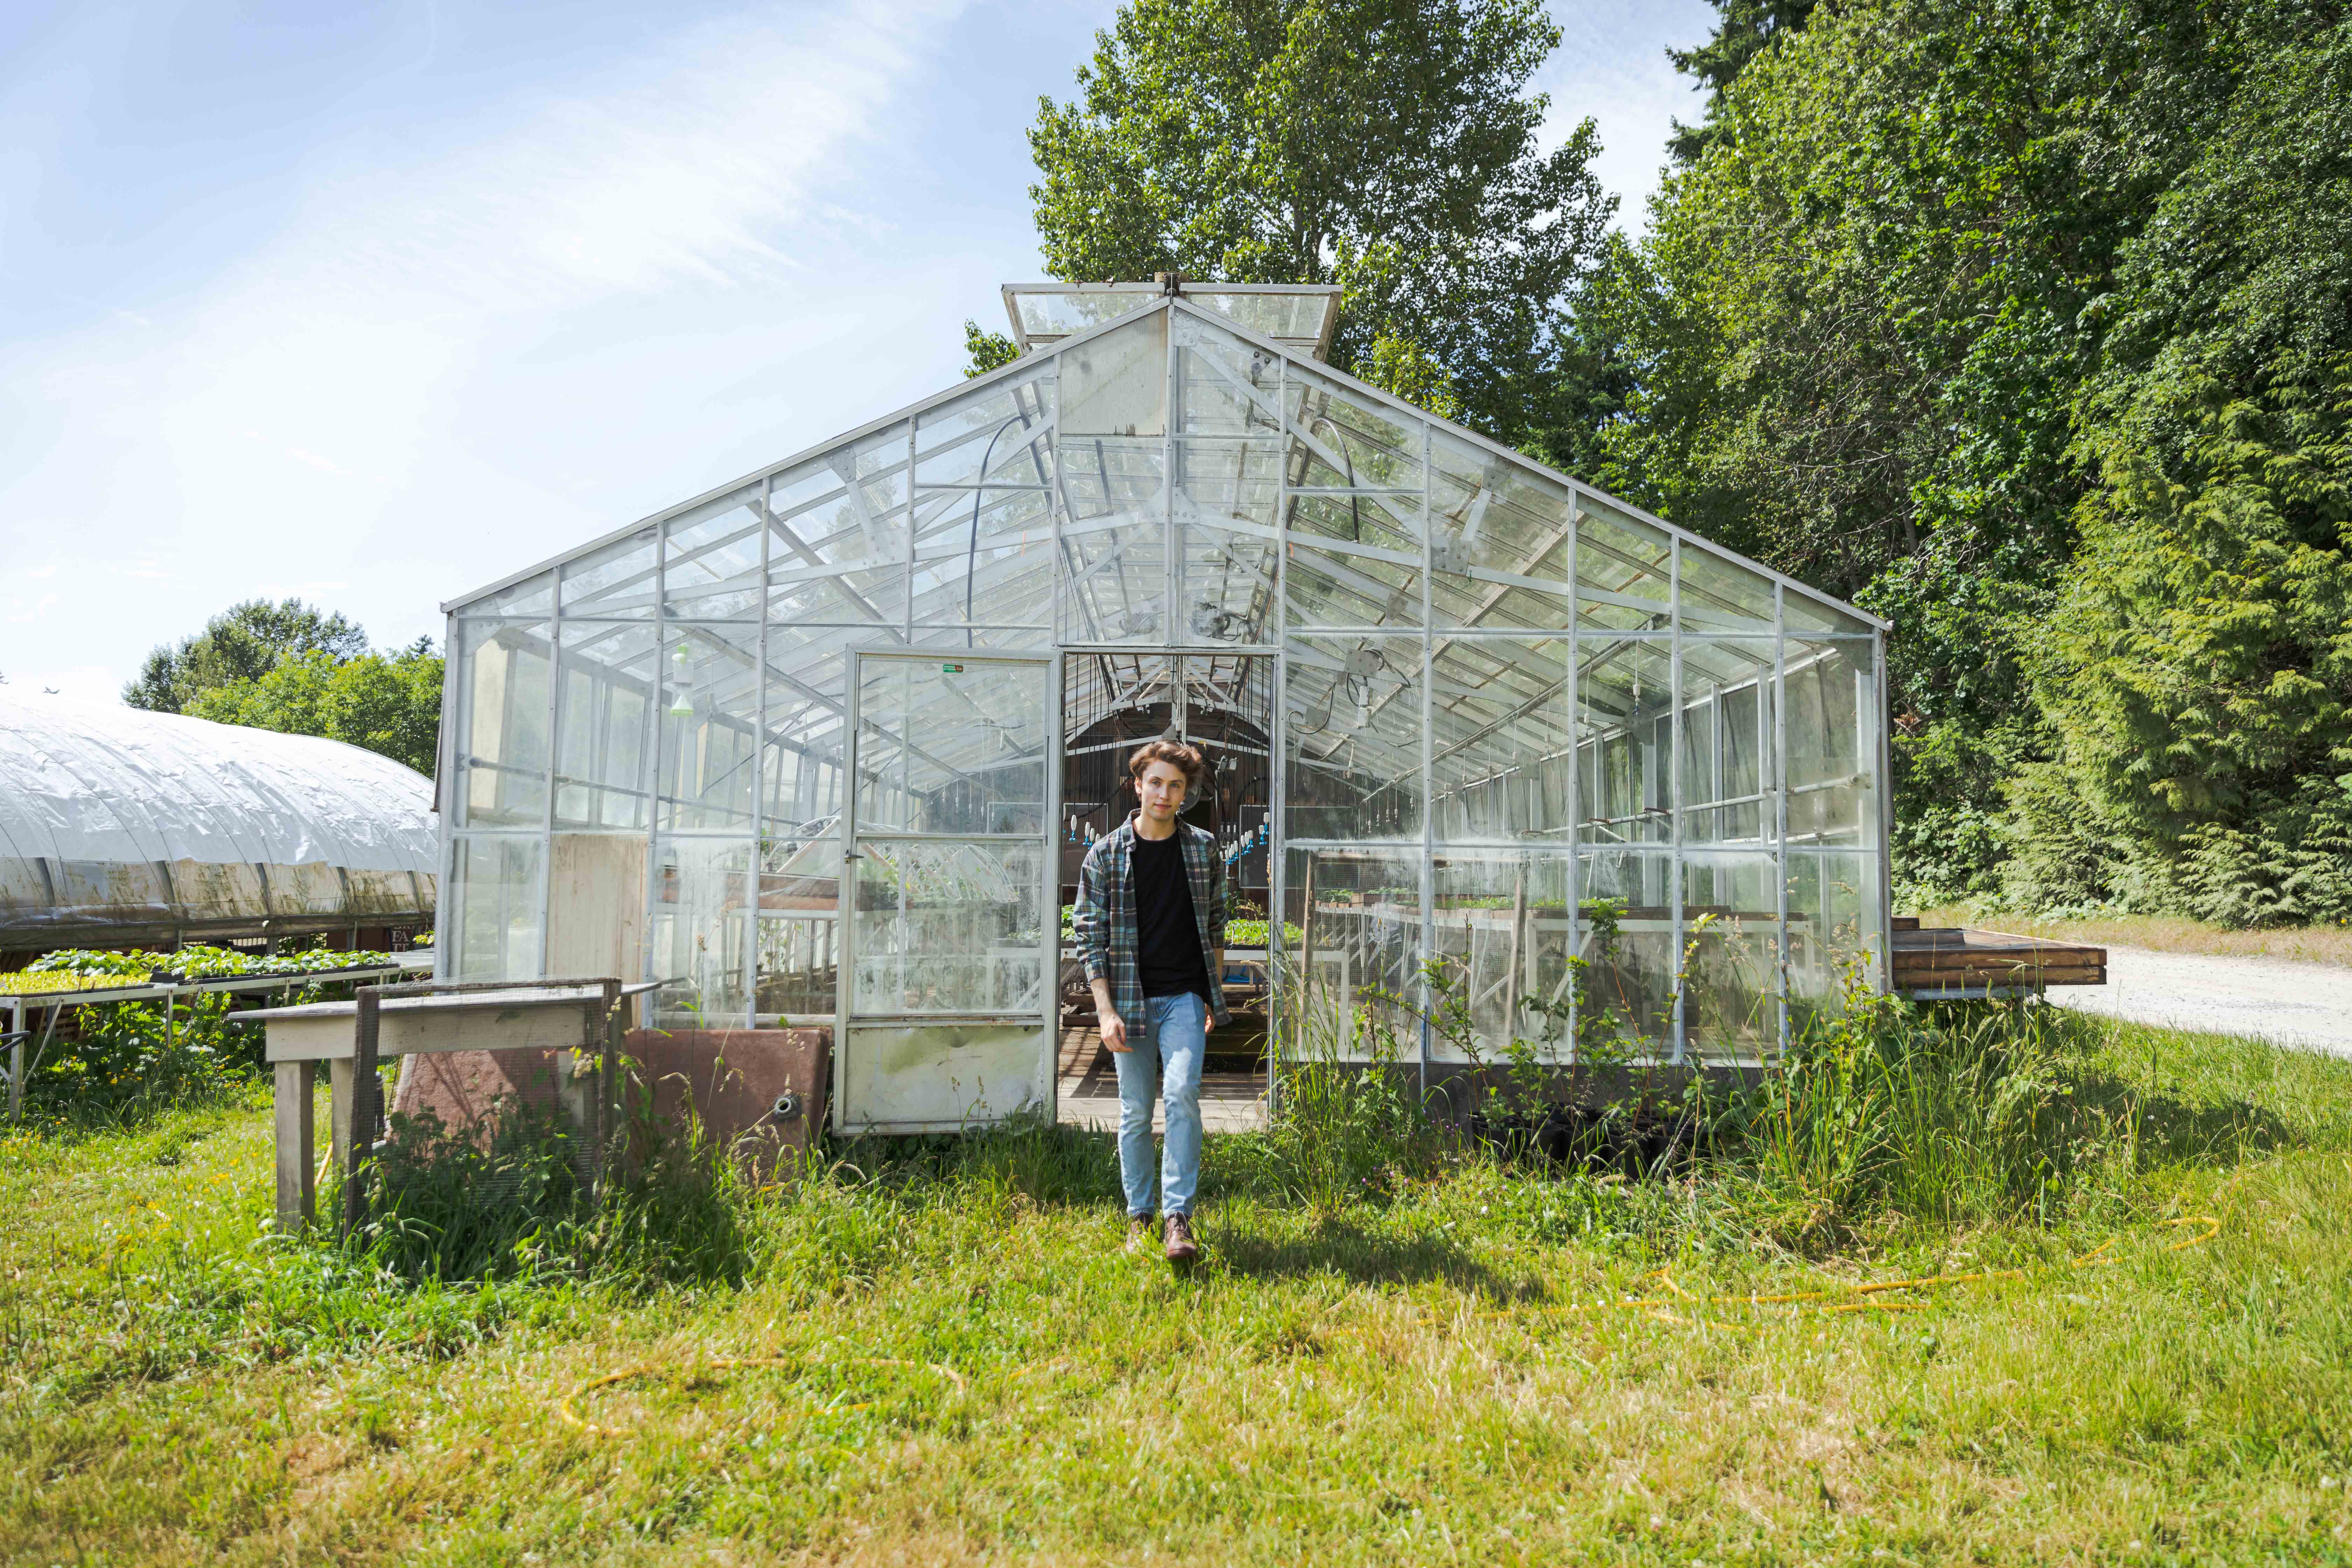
x: 1499, y: 541
x: 603, y: 724
x: 710, y: 558
x: 984, y: 639
x: 1226, y: 481
x: 616, y: 580
x: 1224, y: 387
x: 983, y: 506
x: 1060, y: 312
x: 950, y: 927
x: 1503, y: 760
x: 983, y: 555
x: 837, y: 545
x: 1294, y: 320
x: 1116, y: 385
x: 1727, y: 739
x: 700, y: 886
x: 1352, y: 708
x: 1227, y: 585
x: 1000, y: 435
x: 1721, y: 595
x: 1346, y: 441
x: 709, y: 722
x: 531, y: 598
x: 1833, y: 931
x: 798, y: 962
x: 1624, y: 569
x: 800, y: 773
x: 1624, y: 687
x: 501, y: 744
x: 1503, y: 932
x: 1114, y: 557
x: 1833, y: 740
x: 1801, y: 610
x: 952, y: 745
x: 1370, y: 577
x: 1624, y: 933
x: 1352, y: 927
x: 1731, y: 930
x: 497, y: 926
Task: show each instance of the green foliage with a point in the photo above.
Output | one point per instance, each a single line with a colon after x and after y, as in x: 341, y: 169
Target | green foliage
x: 389, y: 706
x: 1748, y: 27
x: 1346, y: 1127
x: 506, y: 1202
x: 2200, y: 670
x: 243, y: 642
x: 985, y: 350
x: 127, y: 1062
x: 1960, y: 312
x: 298, y: 669
x: 1387, y: 145
x: 1943, y: 1116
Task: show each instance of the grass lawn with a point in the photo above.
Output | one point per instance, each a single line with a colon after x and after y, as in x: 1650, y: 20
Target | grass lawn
x: 2164, y: 933
x: 938, y: 1353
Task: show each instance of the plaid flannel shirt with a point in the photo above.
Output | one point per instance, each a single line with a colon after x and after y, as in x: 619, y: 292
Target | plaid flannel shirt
x: 1105, y: 925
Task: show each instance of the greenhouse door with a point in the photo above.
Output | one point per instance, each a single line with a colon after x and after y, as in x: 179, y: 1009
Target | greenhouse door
x: 951, y: 933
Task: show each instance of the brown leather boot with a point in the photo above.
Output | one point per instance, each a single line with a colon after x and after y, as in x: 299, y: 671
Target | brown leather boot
x: 1181, y: 1247
x: 1142, y: 1230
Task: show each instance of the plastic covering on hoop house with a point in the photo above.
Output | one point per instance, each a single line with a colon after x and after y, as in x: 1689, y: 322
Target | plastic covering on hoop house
x: 114, y: 816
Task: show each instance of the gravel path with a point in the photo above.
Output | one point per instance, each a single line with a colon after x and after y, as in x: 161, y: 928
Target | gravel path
x: 2307, y: 1004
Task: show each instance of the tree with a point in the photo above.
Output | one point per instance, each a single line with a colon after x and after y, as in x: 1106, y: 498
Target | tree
x: 984, y: 350
x: 388, y: 705
x: 1924, y: 322
x: 1386, y: 145
x: 2198, y: 672
x: 243, y: 642
x: 1747, y: 28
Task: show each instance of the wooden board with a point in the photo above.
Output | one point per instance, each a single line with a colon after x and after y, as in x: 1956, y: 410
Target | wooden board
x: 1947, y: 958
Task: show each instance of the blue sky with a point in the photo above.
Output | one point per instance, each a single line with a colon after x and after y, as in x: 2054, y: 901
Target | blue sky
x: 376, y: 303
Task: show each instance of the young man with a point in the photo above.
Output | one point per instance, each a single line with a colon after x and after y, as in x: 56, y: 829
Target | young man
x: 1150, y: 924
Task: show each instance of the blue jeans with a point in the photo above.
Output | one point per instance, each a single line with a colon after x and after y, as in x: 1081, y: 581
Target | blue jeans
x: 1167, y: 1063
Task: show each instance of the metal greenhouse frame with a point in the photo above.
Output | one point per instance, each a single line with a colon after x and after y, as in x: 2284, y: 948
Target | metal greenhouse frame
x: 810, y: 744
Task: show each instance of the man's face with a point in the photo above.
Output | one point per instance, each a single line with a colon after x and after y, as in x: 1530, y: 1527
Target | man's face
x: 1161, y: 789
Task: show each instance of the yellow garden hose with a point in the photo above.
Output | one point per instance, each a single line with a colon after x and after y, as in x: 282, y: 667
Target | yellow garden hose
x: 725, y: 1364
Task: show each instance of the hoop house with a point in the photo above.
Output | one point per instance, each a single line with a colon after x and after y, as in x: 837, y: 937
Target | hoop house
x: 123, y: 828
x: 815, y: 744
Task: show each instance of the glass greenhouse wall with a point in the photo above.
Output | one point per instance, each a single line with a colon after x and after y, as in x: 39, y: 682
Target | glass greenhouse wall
x: 1626, y: 786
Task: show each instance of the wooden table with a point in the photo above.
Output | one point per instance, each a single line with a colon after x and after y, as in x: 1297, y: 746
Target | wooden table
x: 564, y: 1017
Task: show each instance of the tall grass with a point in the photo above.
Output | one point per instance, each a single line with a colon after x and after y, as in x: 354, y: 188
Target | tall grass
x: 1347, y: 1122
x: 511, y: 1200
x: 1880, y: 1114
x: 1942, y: 1115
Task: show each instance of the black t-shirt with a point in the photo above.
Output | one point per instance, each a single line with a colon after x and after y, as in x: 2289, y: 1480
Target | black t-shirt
x: 1168, y: 938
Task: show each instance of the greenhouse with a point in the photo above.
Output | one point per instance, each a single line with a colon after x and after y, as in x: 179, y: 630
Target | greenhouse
x: 1504, y: 758
x: 120, y: 828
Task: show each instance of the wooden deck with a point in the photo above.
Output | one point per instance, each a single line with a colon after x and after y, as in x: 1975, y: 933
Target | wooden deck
x: 1957, y: 963
x: 1232, y: 1098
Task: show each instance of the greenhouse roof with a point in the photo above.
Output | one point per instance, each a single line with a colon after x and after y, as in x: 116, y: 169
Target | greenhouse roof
x: 1115, y: 330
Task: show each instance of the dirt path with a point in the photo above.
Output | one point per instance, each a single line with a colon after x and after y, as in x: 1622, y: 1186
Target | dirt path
x: 2305, y: 1004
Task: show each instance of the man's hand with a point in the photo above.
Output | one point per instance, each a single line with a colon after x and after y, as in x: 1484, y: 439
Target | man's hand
x: 1114, y: 1027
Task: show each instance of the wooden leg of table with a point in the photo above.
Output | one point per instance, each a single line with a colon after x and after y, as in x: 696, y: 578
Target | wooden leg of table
x: 338, y: 1119
x: 290, y: 1105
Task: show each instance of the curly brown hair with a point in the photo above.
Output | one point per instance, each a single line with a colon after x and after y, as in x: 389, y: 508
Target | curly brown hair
x: 1185, y: 760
